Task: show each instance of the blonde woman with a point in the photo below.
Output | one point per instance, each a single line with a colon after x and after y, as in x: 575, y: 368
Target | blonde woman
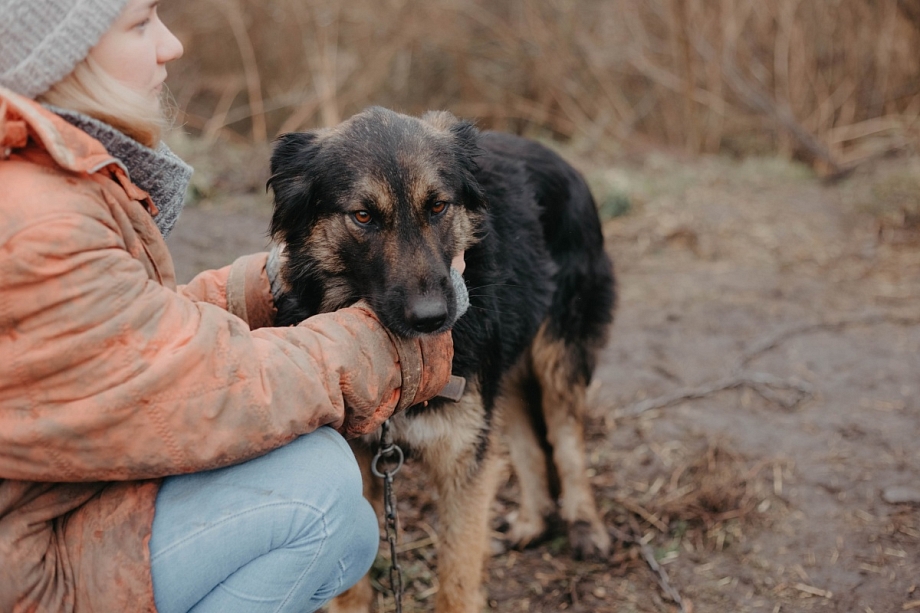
x: 161, y: 447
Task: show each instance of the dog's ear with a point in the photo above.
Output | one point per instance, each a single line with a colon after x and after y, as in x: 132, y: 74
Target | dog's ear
x: 441, y: 120
x: 293, y: 181
x: 466, y: 150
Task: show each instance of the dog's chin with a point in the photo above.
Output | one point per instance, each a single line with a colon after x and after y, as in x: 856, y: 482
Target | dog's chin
x: 398, y: 325
x: 404, y: 331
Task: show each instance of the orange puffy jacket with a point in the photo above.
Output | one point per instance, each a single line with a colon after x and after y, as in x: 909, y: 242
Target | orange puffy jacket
x: 112, y: 377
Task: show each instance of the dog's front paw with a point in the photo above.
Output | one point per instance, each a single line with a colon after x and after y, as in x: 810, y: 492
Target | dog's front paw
x: 524, y: 530
x: 589, y: 540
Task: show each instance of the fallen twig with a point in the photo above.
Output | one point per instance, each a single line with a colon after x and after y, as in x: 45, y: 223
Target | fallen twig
x: 771, y: 341
x: 814, y: 591
x: 649, y: 556
x: 763, y: 383
x: 643, y: 513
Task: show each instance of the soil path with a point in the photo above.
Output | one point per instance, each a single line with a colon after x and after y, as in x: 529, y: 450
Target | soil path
x: 778, y: 493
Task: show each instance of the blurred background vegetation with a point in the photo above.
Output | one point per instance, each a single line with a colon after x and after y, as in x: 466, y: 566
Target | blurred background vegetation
x: 831, y: 83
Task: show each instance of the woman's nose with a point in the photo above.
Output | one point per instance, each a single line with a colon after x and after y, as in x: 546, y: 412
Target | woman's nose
x: 170, y: 47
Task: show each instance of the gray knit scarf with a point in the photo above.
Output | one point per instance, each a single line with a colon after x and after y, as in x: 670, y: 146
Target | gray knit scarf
x: 160, y: 172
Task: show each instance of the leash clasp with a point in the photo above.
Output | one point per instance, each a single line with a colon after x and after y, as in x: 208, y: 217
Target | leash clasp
x: 387, y: 452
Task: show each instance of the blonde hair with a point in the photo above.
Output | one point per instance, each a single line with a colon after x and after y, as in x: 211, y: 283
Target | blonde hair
x: 88, y: 89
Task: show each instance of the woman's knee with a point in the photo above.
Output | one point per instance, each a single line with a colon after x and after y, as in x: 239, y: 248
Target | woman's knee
x: 305, y: 499
x: 356, y: 543
x: 352, y: 531
x: 350, y: 519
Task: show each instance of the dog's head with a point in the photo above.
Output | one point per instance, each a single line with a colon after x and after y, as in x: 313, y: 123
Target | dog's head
x: 375, y: 209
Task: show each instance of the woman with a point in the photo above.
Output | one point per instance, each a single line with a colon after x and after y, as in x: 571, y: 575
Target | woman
x: 161, y: 447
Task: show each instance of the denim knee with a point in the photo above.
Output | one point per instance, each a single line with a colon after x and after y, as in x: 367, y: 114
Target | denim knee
x: 357, y: 544
x: 321, y: 470
x: 291, y: 525
x: 353, y: 535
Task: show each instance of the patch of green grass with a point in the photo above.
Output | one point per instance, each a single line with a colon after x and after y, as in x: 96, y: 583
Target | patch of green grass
x: 611, y: 193
x: 613, y: 204
x: 557, y: 545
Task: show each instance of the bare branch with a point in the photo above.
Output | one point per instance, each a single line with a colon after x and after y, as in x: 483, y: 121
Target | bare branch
x: 763, y: 383
x: 767, y: 385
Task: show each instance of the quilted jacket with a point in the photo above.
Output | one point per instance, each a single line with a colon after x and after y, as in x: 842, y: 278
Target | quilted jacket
x: 112, y: 377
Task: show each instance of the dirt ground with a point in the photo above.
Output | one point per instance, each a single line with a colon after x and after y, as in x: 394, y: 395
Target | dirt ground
x: 755, y: 423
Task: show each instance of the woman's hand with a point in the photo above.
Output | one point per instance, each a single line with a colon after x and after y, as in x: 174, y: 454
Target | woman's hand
x: 424, y: 365
x: 459, y: 263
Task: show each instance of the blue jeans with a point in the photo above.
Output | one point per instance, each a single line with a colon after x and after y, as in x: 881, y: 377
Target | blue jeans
x: 284, y: 532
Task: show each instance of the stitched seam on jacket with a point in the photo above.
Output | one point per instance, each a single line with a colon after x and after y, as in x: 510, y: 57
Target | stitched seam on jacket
x: 62, y: 465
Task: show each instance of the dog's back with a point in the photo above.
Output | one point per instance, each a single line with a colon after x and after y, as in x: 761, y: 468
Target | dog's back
x: 584, y: 293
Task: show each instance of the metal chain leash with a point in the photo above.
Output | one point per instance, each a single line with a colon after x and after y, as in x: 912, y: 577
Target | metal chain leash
x: 390, y: 453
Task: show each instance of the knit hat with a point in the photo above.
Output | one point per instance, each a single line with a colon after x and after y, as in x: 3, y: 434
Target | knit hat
x: 41, y: 41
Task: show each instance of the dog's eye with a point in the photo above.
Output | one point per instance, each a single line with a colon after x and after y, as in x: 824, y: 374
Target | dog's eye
x: 439, y: 207
x: 362, y: 217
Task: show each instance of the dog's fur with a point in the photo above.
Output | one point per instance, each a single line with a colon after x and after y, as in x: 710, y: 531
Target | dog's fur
x: 375, y: 209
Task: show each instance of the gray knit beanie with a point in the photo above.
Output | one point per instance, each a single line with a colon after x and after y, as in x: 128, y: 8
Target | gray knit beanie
x: 41, y: 41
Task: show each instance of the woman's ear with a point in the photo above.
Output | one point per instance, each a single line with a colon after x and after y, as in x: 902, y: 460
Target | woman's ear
x: 293, y: 182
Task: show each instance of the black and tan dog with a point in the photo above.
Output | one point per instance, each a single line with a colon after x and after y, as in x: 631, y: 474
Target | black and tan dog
x: 375, y: 209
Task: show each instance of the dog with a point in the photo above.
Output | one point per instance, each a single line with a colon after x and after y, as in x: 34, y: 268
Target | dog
x: 375, y: 209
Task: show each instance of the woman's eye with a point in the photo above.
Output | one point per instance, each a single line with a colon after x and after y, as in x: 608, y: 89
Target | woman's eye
x: 362, y: 217
x: 439, y: 207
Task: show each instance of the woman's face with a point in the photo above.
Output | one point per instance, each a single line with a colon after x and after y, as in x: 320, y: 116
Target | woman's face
x: 137, y: 47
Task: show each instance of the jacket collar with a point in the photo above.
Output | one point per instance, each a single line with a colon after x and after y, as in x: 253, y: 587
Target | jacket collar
x: 71, y: 148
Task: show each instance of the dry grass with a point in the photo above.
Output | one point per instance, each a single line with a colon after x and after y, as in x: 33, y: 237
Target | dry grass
x: 831, y: 81
x: 706, y: 495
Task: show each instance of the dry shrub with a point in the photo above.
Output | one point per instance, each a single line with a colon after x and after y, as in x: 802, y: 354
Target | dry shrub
x: 890, y: 194
x: 898, y: 197
x: 714, y: 487
x: 709, y: 496
x: 832, y: 81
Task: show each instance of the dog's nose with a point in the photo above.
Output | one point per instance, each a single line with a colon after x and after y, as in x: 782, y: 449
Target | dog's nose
x: 427, y: 313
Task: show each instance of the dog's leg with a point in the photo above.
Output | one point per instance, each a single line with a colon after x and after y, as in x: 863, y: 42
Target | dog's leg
x: 466, y: 471
x: 528, y: 460
x: 360, y: 597
x: 564, y: 394
x: 466, y: 495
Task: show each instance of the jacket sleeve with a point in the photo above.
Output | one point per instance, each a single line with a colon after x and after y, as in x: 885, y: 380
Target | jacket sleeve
x: 242, y: 288
x: 107, y: 375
